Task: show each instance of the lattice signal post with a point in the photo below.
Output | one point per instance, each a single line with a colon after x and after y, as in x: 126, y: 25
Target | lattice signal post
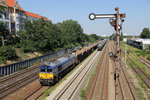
x: 114, y: 21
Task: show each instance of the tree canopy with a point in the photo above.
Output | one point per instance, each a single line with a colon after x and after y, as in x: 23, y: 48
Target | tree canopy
x: 4, y: 33
x: 44, y: 36
x: 145, y: 33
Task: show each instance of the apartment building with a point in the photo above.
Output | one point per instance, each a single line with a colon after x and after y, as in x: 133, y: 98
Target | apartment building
x: 15, y: 15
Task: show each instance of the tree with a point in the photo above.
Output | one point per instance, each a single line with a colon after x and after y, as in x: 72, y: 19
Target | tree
x: 41, y: 35
x: 121, y: 37
x: 113, y: 37
x: 72, y: 32
x: 4, y: 32
x: 2, y: 9
x: 145, y: 33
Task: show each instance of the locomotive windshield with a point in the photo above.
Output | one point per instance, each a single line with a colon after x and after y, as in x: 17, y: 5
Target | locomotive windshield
x: 49, y: 70
x: 42, y: 70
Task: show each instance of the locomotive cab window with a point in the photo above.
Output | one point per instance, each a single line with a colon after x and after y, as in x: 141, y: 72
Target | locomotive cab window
x: 42, y: 70
x: 49, y: 70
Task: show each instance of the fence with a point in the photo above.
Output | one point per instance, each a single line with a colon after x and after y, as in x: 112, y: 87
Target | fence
x: 11, y: 68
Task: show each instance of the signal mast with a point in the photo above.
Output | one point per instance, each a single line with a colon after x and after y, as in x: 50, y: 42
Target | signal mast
x: 114, y: 21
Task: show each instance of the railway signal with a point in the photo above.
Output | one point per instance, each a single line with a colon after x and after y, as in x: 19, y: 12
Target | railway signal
x: 114, y: 21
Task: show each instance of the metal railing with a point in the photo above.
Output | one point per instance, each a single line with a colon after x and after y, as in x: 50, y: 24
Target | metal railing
x: 11, y: 68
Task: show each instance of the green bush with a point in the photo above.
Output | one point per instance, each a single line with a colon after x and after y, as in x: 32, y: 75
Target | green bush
x: 148, y: 58
x: 142, y: 53
x: 12, y: 40
x: 2, y: 60
x: 17, y: 45
x: 6, y: 52
x: 83, y: 93
x: 47, y: 92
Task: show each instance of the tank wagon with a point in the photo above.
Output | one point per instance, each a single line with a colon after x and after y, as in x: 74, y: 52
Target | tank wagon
x: 101, y: 45
x: 52, y: 71
x: 139, y: 43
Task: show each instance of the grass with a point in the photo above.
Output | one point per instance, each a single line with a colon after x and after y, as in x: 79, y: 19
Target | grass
x: 137, y: 52
x: 62, y: 80
x: 83, y: 93
x: 46, y: 93
x: 138, y: 63
x: 140, y: 93
x: 148, y: 57
x: 133, y: 52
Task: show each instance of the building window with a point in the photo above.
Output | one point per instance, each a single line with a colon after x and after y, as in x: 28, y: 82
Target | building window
x: 3, y: 2
x: 11, y: 10
x: 17, y: 26
x: 7, y: 16
x: 17, y: 19
x: 23, y: 20
x: 23, y: 14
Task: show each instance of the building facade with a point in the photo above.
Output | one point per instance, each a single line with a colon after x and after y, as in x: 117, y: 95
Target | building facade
x: 15, y: 15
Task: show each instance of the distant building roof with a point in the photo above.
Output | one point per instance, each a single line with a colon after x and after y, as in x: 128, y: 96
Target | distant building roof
x: 33, y: 15
x: 11, y: 3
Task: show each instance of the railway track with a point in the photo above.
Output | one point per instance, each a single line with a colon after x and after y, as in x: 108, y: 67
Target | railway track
x: 124, y: 89
x: 37, y: 93
x: 99, y: 91
x: 140, y: 72
x: 15, y: 81
x: 144, y: 61
x: 99, y: 83
x: 145, y: 78
x: 69, y: 91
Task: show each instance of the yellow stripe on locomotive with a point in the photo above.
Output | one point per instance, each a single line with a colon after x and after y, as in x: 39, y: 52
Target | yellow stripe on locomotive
x: 46, y: 75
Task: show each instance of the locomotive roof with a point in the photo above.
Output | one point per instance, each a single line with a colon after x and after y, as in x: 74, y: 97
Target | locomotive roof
x: 59, y: 60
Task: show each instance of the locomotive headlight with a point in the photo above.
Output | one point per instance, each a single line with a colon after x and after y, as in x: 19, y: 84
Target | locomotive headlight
x: 41, y: 77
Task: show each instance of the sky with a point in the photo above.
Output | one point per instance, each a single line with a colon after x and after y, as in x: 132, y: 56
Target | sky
x: 137, y: 13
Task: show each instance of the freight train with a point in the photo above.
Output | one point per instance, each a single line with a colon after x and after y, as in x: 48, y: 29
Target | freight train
x: 51, y: 72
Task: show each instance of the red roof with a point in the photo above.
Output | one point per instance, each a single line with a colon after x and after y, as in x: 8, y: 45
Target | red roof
x: 11, y: 3
x: 33, y: 15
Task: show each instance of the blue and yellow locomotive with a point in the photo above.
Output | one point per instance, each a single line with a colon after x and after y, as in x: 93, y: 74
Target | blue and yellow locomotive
x: 50, y: 72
